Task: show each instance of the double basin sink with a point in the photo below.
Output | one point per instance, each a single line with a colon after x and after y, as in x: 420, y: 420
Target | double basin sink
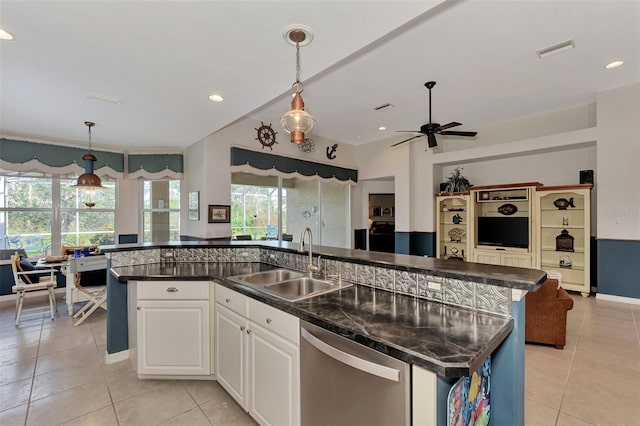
x: 289, y: 285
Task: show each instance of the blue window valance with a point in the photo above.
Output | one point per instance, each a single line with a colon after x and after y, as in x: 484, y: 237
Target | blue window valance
x: 23, y: 156
x: 155, y: 166
x: 245, y: 160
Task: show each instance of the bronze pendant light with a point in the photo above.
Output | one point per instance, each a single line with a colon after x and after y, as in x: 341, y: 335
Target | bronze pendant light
x: 89, y: 181
x: 297, y: 121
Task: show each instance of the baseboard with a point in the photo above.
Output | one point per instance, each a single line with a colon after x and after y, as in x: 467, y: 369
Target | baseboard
x: 116, y: 357
x: 619, y: 299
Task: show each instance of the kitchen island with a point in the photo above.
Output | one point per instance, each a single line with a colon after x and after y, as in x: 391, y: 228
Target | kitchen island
x: 445, y: 317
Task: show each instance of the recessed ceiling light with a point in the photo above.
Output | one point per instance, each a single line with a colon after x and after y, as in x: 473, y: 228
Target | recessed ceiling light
x: 614, y: 64
x: 382, y: 128
x: 5, y: 35
x: 556, y: 48
x: 216, y: 98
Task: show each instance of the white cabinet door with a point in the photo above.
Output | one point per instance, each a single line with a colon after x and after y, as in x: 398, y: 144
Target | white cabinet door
x: 490, y: 258
x: 173, y: 337
x: 231, y: 353
x: 274, y: 378
x: 518, y: 260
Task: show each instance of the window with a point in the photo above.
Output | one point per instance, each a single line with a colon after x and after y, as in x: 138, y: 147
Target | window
x: 161, y: 211
x: 322, y: 206
x: 41, y: 213
x: 254, y: 211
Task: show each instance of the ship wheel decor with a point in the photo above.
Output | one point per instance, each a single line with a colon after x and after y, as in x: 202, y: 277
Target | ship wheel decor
x: 266, y: 135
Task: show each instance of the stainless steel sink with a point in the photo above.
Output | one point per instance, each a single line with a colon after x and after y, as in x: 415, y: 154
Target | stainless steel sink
x: 288, y: 285
x: 268, y: 277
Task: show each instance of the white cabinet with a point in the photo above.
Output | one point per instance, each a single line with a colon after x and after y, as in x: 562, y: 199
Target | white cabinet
x: 169, y: 330
x: 453, y: 220
x: 564, y: 231
x: 504, y: 258
x: 258, y: 357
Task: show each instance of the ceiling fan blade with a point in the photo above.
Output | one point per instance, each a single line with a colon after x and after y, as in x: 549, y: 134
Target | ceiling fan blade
x: 456, y: 133
x: 407, y: 140
x: 411, y: 131
x: 432, y: 140
x: 450, y: 125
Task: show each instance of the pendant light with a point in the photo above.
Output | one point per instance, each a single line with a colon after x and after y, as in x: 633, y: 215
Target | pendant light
x: 89, y: 181
x: 297, y: 121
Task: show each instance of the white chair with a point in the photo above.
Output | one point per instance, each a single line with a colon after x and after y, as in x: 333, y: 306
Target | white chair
x: 27, y: 278
x: 96, y: 298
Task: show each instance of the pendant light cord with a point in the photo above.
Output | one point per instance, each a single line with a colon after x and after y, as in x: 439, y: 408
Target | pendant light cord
x: 297, y: 85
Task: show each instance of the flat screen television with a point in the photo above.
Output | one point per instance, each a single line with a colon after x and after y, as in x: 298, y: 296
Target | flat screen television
x: 503, y: 231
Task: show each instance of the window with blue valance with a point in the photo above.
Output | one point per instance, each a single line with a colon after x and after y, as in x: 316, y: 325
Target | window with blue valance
x: 24, y: 156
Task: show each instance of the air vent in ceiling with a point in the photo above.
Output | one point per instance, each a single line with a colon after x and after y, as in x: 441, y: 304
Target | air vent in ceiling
x: 383, y: 106
x: 556, y: 48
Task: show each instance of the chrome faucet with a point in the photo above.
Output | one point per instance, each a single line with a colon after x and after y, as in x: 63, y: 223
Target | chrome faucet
x: 311, y: 267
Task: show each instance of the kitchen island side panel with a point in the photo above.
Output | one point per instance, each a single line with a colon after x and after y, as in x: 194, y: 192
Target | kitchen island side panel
x: 507, y: 375
x: 117, y: 318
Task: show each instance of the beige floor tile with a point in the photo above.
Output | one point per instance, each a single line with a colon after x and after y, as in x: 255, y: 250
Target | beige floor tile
x: 20, y: 353
x: 58, y: 341
x: 126, y: 385
x: 15, y: 394
x: 14, y: 417
x: 154, y: 407
x: 226, y: 411
x: 596, y: 405
x: 102, y: 417
x: 203, y: 390
x: 544, y: 387
x: 117, y: 368
x: 193, y: 417
x: 68, y: 405
x: 18, y: 338
x: 86, y: 355
x: 16, y: 371
x: 567, y: 420
x: 538, y: 415
x: 65, y: 378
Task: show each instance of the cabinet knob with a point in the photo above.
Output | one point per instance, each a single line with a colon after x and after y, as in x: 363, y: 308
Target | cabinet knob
x: 227, y: 300
x: 248, y: 331
x: 268, y: 320
x: 139, y: 308
x: 242, y: 328
x: 172, y: 290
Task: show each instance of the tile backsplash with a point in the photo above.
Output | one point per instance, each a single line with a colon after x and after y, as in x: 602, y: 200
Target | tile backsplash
x: 475, y: 296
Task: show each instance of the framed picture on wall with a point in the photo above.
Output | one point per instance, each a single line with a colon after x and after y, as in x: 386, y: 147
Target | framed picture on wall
x: 194, y: 205
x: 377, y: 211
x: 219, y: 214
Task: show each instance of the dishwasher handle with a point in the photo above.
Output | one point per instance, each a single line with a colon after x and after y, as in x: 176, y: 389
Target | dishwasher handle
x: 369, y: 367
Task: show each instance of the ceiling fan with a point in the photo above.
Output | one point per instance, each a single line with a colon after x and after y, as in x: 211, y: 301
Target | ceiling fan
x: 431, y: 129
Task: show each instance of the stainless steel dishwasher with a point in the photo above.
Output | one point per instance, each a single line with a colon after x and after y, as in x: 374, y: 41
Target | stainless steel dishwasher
x: 345, y: 383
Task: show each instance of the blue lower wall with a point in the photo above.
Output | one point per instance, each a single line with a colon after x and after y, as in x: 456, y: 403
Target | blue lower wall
x: 619, y: 268
x: 416, y: 243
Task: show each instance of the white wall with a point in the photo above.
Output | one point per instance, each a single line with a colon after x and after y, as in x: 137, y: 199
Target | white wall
x: 211, y: 173
x: 618, y: 175
x: 129, y: 200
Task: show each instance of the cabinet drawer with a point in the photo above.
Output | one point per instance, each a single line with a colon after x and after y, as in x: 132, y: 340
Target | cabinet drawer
x: 173, y: 290
x: 275, y: 320
x: 231, y: 299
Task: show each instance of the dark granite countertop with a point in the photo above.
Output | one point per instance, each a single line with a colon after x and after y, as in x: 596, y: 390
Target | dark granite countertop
x: 445, y: 339
x: 503, y: 276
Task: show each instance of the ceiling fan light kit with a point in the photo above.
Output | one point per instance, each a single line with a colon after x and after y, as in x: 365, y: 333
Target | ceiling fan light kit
x: 431, y: 129
x: 297, y: 121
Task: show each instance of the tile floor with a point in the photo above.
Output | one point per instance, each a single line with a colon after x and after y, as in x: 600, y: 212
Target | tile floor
x: 53, y: 373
